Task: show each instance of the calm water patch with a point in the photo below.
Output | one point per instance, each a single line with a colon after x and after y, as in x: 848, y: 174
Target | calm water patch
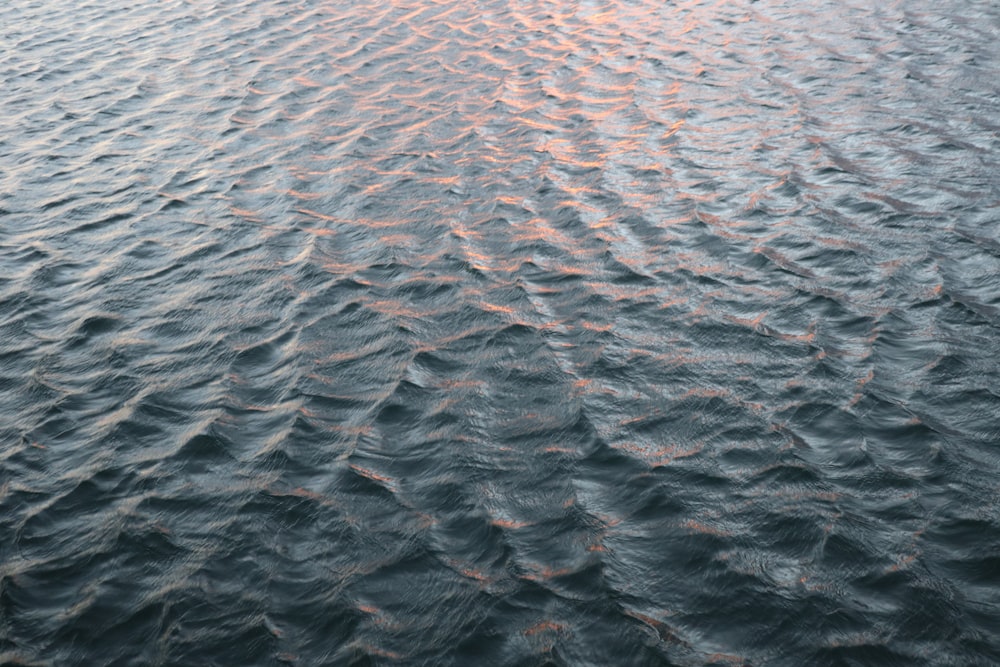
x: 521, y: 332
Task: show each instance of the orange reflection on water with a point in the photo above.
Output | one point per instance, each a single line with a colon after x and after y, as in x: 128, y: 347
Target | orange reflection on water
x: 385, y: 480
x: 705, y: 529
x: 546, y: 626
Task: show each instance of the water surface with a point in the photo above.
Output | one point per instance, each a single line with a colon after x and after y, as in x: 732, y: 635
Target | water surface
x: 507, y: 332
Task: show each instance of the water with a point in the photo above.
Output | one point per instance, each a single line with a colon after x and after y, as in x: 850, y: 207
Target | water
x: 507, y: 332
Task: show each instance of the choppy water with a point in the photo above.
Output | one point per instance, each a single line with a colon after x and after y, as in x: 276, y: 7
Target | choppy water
x: 506, y: 332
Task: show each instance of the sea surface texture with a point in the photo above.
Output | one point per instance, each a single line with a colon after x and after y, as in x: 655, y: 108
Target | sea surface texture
x: 500, y: 332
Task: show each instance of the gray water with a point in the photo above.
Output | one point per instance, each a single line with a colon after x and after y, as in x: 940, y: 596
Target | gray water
x: 500, y: 332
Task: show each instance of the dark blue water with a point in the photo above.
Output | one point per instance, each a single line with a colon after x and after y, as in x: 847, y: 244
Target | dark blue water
x: 505, y: 332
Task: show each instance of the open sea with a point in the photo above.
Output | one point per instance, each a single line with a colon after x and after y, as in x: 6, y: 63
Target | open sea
x: 500, y: 333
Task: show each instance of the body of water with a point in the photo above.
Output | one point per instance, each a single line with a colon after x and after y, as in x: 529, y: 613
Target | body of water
x: 503, y: 332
